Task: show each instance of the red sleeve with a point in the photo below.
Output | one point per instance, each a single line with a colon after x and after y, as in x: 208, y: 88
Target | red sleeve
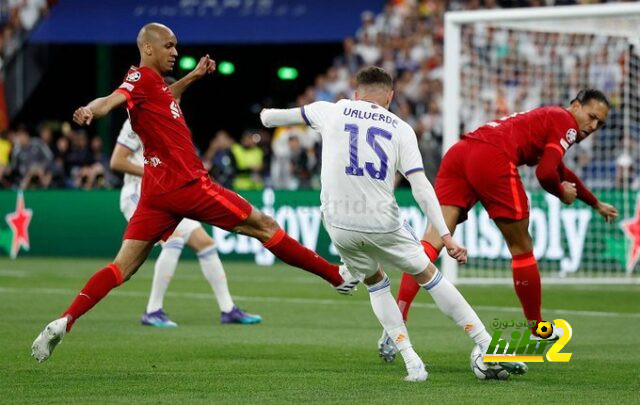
x: 583, y: 192
x: 133, y: 87
x: 547, y: 170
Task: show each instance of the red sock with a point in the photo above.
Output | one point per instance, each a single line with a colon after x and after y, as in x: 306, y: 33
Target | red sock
x: 431, y: 251
x: 96, y: 288
x: 294, y: 254
x: 407, y: 292
x: 526, y: 280
x: 409, y: 287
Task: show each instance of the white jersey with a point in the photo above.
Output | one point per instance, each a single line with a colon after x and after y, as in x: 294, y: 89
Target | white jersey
x: 130, y: 140
x: 363, y: 146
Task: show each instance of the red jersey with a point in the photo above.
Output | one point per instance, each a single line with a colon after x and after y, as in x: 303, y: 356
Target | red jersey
x: 170, y: 158
x: 524, y: 136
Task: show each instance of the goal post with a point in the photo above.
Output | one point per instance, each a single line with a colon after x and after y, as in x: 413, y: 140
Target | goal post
x: 497, y: 62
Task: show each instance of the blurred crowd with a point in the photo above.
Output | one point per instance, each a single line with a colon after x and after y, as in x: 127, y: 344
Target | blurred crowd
x: 55, y: 156
x: 17, y: 19
x: 503, y: 71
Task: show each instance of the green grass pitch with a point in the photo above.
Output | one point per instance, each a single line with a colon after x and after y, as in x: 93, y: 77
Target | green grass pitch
x: 314, y: 346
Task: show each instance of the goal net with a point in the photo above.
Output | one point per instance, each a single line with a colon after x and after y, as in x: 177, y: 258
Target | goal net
x: 498, y: 62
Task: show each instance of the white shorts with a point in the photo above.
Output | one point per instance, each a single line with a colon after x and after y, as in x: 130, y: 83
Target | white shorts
x: 129, y: 197
x: 365, y: 252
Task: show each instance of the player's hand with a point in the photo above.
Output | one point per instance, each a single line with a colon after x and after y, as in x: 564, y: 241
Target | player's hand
x: 205, y: 66
x: 455, y: 250
x: 569, y: 192
x: 608, y: 211
x: 83, y: 116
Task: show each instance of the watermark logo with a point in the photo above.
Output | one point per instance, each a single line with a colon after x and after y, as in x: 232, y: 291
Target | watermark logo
x: 520, y: 345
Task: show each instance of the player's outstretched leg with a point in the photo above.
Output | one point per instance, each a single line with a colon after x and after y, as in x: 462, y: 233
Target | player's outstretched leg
x: 266, y: 230
x: 451, y: 303
x: 387, y: 312
x: 163, y: 272
x: 212, y: 269
x: 526, y: 277
x: 130, y: 257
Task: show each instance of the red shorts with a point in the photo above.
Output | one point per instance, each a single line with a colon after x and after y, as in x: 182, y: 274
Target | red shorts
x: 157, y: 216
x: 473, y: 170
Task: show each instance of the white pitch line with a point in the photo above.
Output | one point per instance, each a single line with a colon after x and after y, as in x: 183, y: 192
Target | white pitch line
x: 317, y: 301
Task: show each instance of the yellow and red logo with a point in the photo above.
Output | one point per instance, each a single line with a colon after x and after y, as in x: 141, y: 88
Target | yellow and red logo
x: 525, y: 348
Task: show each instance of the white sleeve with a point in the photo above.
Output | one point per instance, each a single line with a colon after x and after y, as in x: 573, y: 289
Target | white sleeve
x: 311, y: 114
x: 410, y: 159
x: 314, y: 114
x: 273, y: 117
x: 128, y: 138
x: 425, y: 196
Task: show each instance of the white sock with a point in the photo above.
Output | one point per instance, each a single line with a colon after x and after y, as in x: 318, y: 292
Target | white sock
x: 390, y: 317
x: 214, y: 273
x: 163, y: 272
x: 452, y: 303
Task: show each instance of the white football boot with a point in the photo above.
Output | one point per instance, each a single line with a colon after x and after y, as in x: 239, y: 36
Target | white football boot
x: 494, y: 371
x: 48, y: 339
x: 485, y: 371
x: 416, y: 372
x: 350, y: 281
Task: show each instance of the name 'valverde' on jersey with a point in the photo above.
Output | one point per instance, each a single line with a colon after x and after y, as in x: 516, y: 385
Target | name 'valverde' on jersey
x: 363, y: 146
x: 170, y: 158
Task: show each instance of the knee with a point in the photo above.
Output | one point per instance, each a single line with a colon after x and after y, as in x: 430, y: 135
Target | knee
x: 269, y: 225
x: 523, y: 245
x: 426, y: 275
x: 266, y: 227
x: 377, y: 277
x: 200, y: 240
x: 127, y: 269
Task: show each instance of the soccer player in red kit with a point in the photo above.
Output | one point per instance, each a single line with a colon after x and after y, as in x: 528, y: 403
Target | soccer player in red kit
x: 175, y: 184
x: 483, y: 166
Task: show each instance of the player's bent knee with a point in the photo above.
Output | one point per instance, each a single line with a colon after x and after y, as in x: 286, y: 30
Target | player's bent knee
x: 259, y: 226
x: 426, y: 275
x: 377, y: 277
x: 199, y: 239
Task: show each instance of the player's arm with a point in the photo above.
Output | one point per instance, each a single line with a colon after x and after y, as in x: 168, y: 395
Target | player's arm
x: 205, y: 66
x: 313, y: 115
x: 425, y: 196
x: 273, y: 117
x: 98, y: 108
x: 608, y: 211
x: 120, y: 161
x: 549, y: 176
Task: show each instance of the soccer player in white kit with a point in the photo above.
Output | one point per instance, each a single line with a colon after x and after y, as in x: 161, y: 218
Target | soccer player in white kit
x: 127, y: 157
x: 364, y: 145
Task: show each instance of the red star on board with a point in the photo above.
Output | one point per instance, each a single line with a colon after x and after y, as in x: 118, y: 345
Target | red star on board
x: 19, y: 223
x: 631, y: 228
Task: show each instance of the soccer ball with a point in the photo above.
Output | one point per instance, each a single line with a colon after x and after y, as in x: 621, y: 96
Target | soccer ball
x: 544, y: 329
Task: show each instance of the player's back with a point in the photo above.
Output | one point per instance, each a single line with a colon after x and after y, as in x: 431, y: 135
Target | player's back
x: 363, y: 146
x: 524, y: 135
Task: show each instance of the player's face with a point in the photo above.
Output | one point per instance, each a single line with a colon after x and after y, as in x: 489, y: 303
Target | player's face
x: 590, y: 116
x: 164, y: 51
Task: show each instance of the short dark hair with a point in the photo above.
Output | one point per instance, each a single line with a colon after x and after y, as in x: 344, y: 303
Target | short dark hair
x: 374, y: 75
x: 586, y: 95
